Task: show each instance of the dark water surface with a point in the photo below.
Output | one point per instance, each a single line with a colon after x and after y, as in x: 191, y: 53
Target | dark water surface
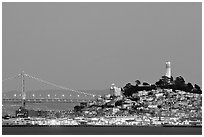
x: 102, y: 130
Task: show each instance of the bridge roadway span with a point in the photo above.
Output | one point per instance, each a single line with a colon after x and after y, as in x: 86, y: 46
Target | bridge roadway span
x: 46, y: 100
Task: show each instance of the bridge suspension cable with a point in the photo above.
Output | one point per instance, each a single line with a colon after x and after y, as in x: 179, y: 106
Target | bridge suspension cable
x: 58, y: 86
x: 10, y: 78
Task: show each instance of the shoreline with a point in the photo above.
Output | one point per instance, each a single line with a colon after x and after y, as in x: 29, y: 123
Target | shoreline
x: 166, y: 126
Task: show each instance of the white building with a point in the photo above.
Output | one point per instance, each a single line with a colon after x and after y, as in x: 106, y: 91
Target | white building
x: 115, y: 90
x: 168, y: 69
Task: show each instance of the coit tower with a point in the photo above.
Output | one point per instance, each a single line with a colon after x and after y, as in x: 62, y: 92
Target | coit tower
x: 168, y: 69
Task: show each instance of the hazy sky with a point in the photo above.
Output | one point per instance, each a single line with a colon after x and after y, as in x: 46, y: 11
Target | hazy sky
x: 92, y: 45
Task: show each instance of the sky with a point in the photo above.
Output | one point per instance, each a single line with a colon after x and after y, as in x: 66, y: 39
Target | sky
x: 92, y: 45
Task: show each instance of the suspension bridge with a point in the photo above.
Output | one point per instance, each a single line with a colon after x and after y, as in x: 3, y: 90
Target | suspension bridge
x: 67, y: 96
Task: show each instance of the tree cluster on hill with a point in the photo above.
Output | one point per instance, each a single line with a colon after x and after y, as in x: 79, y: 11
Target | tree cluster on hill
x: 164, y: 83
x: 129, y: 89
x: 179, y: 84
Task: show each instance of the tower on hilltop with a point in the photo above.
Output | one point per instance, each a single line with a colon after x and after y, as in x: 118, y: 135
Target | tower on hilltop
x: 168, y: 69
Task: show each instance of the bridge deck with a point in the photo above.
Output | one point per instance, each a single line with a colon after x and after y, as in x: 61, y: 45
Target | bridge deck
x: 47, y: 100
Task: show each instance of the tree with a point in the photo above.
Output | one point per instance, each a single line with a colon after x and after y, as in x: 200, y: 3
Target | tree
x: 163, y: 82
x: 179, y: 84
x: 137, y: 82
x: 77, y: 108
x: 118, y: 103
x: 197, y: 89
x: 159, y: 106
x: 172, y: 79
x: 159, y: 83
x: 129, y: 90
x: 189, y: 87
x: 179, y: 80
x: 145, y: 84
x: 127, y: 86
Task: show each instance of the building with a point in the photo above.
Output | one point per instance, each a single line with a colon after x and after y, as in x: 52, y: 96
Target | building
x: 115, y: 91
x: 168, y: 69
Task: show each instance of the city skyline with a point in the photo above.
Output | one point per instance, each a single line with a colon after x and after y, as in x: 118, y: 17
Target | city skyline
x: 92, y: 45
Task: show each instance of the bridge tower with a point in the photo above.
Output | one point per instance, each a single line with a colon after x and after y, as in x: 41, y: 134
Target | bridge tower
x: 23, y: 89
